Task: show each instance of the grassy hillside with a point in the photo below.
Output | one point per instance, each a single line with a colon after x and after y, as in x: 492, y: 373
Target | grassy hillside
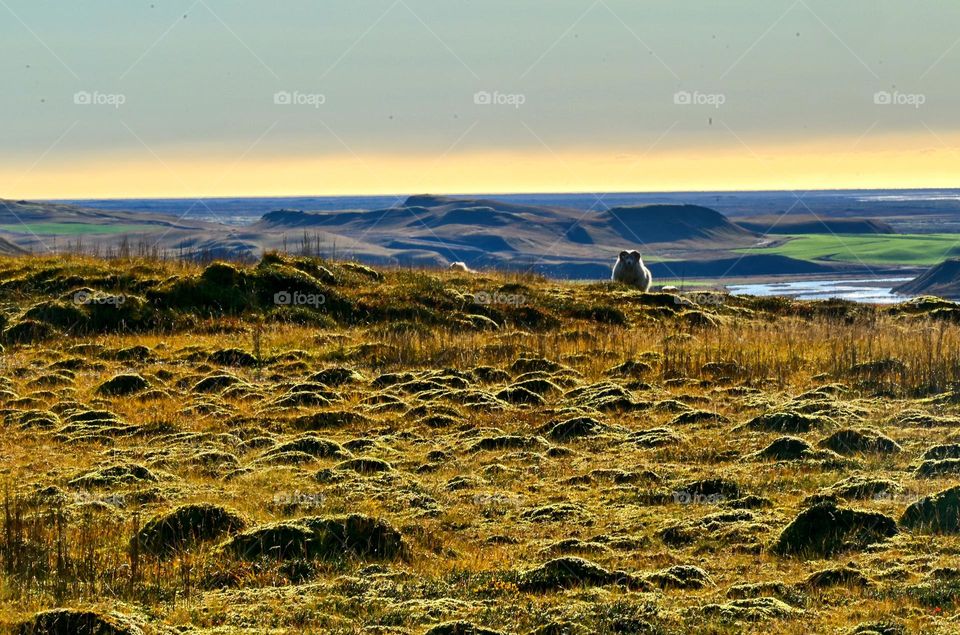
x: 319, y: 447
x: 73, y: 229
x: 871, y: 249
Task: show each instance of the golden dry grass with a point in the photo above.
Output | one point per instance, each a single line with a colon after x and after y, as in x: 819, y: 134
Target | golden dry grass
x: 468, y: 515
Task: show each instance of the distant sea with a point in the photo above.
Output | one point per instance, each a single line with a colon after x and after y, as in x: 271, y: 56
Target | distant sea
x: 902, y: 205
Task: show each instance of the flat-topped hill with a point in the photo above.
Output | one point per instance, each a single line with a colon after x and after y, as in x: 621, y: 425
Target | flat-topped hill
x: 940, y: 280
x: 673, y: 223
x: 808, y: 224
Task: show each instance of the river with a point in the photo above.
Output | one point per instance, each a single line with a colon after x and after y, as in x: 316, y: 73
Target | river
x: 872, y: 290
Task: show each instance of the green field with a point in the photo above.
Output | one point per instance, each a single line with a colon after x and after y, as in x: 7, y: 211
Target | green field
x: 871, y: 249
x: 75, y: 229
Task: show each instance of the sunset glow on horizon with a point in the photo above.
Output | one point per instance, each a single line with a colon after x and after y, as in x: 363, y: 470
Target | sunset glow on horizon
x: 812, y: 166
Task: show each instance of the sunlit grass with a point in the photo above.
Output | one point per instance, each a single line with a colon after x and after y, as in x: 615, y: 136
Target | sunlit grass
x: 871, y: 249
x: 462, y: 511
x: 76, y: 229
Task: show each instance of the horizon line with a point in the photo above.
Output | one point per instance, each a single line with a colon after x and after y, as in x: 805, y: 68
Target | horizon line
x: 493, y: 194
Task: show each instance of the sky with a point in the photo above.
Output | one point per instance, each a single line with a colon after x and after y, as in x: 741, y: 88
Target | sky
x: 243, y: 98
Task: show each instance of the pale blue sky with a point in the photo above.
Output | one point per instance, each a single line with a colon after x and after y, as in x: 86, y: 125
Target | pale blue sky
x: 401, y: 76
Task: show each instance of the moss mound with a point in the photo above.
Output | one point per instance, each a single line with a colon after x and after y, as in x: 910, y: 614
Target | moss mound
x: 277, y: 281
x: 936, y: 468
x: 184, y: 527
x: 336, y: 376
x: 701, y: 319
x: 220, y: 289
x: 507, y: 442
x: 697, y: 416
x: 461, y: 627
x: 116, y: 312
x: 655, y: 437
x: 860, y: 441
x: 78, y: 622
x: 846, y: 575
x: 573, y: 428
x: 533, y: 364
x: 232, y: 357
x: 605, y: 397
x: 886, y: 627
x: 124, y: 384
x: 944, y: 451
x: 222, y: 274
x: 216, y: 383
x: 788, y: 422
x: 353, y: 536
x: 113, y: 475
x: 62, y: 315
x: 937, y: 514
x: 570, y: 572
x: 315, y: 446
x: 328, y: 419
x: 752, y: 610
x: 520, y: 396
x: 28, y: 332
x: 630, y: 368
x: 363, y: 270
x: 712, y: 488
x: 825, y: 530
x: 130, y: 354
x: 364, y: 465
x: 786, y: 449
x: 680, y: 577
x: 859, y: 487
x: 88, y: 311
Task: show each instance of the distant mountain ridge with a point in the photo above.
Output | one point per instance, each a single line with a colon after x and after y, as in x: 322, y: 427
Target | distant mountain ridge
x: 435, y: 230
x: 676, y: 240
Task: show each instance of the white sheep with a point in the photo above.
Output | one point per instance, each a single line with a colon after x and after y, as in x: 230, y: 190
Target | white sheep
x: 631, y: 270
x: 461, y: 267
